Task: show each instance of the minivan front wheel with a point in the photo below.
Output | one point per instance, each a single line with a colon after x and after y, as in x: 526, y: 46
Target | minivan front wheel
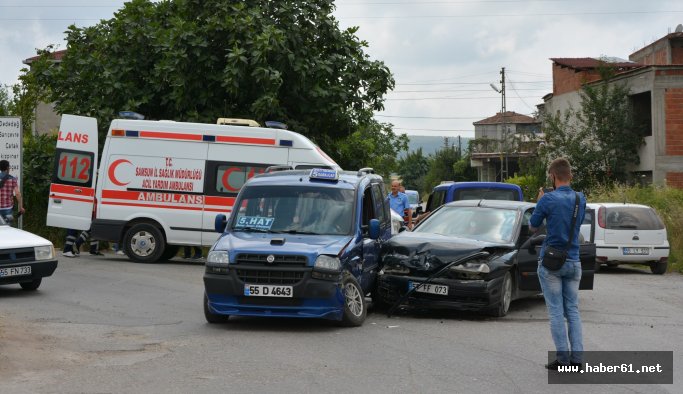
x: 658, y: 267
x: 355, y: 309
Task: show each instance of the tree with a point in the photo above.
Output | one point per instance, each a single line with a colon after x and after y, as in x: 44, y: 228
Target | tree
x: 198, y: 60
x: 412, y: 169
x: 600, y: 139
x: 373, y: 145
x: 442, y: 166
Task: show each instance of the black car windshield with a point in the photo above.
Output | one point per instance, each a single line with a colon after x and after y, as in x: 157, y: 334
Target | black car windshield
x: 484, y: 224
x: 485, y: 194
x: 294, y: 210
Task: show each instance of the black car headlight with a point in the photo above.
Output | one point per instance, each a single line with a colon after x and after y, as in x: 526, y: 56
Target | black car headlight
x: 475, y: 269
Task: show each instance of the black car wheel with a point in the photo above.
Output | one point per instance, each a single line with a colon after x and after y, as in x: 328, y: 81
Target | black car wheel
x: 31, y: 286
x: 355, y: 309
x: 144, y: 243
x: 505, y: 297
x: 659, y: 267
x: 213, y: 318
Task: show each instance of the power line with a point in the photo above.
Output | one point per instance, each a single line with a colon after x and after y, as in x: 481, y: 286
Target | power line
x: 421, y: 129
x: 513, y: 15
x: 455, y: 90
x: 464, y: 83
x: 451, y: 98
x: 432, y: 117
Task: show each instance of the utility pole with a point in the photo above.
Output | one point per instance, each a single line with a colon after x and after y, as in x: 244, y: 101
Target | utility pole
x: 504, y: 170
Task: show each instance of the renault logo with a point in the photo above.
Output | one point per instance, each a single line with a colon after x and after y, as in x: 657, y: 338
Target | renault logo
x: 270, y: 259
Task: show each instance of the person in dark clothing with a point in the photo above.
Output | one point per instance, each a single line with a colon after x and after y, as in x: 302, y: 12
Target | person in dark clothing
x: 561, y: 287
x: 72, y: 246
x: 9, y: 190
x: 187, y: 252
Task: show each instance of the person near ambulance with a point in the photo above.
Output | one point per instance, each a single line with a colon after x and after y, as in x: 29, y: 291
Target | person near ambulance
x: 9, y: 189
x: 399, y: 202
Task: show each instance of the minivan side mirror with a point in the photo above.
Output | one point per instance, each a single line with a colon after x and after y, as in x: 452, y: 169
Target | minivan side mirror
x: 220, y: 222
x: 373, y: 229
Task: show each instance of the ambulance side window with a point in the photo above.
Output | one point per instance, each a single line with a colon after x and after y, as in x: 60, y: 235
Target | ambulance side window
x: 73, y: 167
x: 227, y: 178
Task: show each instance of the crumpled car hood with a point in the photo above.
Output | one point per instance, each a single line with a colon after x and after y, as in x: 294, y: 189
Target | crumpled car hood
x: 429, y: 252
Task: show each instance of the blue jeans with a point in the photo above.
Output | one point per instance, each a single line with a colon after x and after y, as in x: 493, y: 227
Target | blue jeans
x: 7, y: 214
x: 561, y: 293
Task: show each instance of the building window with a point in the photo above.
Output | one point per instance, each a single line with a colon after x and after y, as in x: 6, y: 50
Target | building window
x: 642, y: 112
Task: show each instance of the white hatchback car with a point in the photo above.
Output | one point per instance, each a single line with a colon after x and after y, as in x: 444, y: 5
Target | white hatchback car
x: 25, y: 258
x: 630, y: 234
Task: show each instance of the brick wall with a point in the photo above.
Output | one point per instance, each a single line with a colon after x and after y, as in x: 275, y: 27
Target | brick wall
x: 674, y: 179
x: 673, y: 99
x: 568, y: 80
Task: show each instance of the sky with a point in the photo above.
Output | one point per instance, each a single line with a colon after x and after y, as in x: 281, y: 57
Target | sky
x: 444, y: 54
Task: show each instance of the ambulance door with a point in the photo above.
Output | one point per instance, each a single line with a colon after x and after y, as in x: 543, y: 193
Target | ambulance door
x: 72, y: 191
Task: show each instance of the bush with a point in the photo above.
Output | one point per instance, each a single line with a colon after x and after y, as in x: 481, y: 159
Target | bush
x: 667, y: 201
x: 529, y: 184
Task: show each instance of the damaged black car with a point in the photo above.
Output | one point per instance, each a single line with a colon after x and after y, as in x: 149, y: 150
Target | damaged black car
x: 474, y: 255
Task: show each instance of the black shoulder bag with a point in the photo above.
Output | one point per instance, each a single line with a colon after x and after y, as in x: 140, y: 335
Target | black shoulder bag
x: 554, y: 258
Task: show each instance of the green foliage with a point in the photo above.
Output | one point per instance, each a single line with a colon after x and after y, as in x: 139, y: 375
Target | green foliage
x: 600, y: 140
x: 373, y: 145
x: 4, y: 101
x: 667, y: 201
x: 529, y: 184
x: 441, y: 167
x: 198, y: 60
x: 37, y: 171
x: 412, y: 170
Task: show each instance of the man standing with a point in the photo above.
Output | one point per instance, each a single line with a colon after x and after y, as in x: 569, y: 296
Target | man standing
x: 561, y: 287
x: 399, y: 202
x: 9, y: 188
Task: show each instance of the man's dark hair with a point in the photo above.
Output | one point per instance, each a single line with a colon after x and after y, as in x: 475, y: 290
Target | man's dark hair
x: 4, y: 165
x: 560, y: 169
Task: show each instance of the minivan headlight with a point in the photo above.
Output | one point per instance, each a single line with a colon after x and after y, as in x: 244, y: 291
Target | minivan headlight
x: 45, y: 252
x: 218, y: 257
x: 328, y: 262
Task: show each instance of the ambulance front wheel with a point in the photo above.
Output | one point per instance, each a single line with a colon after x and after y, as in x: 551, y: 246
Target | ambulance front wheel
x: 144, y: 243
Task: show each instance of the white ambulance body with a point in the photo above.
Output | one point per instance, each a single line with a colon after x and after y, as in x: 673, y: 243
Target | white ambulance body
x: 161, y: 183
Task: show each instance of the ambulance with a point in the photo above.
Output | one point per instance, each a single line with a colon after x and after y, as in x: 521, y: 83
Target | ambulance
x: 160, y: 184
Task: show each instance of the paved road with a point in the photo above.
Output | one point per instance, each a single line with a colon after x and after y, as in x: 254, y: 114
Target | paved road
x: 105, y: 324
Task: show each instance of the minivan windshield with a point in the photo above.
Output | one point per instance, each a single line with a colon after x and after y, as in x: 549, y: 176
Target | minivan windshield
x: 294, y: 210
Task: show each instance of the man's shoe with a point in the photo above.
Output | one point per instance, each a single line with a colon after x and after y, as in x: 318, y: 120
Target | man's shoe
x: 197, y: 257
x: 69, y: 254
x: 96, y: 254
x: 553, y: 366
x: 120, y: 252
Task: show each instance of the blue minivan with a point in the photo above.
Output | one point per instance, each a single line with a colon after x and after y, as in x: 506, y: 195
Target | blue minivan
x: 456, y: 191
x: 299, y: 244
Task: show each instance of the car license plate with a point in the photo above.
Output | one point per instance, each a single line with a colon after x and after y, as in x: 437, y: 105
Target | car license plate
x: 15, y: 271
x: 429, y: 288
x: 268, y: 291
x: 636, y: 251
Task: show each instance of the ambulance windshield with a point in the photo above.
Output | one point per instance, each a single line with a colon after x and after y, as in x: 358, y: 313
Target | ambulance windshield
x: 294, y: 210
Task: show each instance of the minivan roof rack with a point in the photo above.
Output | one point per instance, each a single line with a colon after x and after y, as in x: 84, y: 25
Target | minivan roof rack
x: 271, y: 124
x: 366, y: 170
x: 238, y: 122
